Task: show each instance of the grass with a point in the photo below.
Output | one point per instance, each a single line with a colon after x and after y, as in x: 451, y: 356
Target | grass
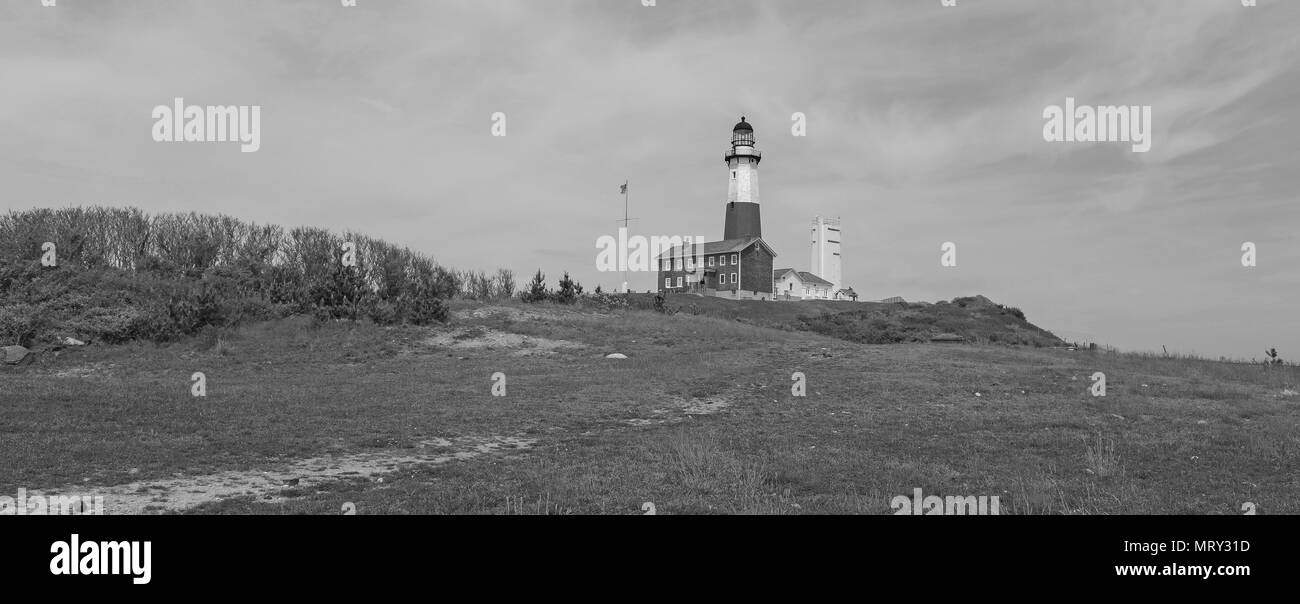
x: 1171, y: 436
x: 1101, y: 457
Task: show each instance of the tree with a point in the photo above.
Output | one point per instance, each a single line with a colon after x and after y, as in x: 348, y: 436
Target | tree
x: 569, y: 290
x: 505, y: 283
x: 536, y: 291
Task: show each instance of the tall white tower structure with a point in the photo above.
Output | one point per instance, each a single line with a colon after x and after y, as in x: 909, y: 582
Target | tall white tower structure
x: 826, y: 252
x: 742, y: 159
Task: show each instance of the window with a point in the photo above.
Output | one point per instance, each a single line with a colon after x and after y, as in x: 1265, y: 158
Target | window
x: 710, y: 260
x: 678, y: 262
x: 668, y: 264
x: 668, y: 282
x: 735, y: 259
x: 733, y: 175
x: 722, y: 278
x: 679, y: 282
x: 733, y: 279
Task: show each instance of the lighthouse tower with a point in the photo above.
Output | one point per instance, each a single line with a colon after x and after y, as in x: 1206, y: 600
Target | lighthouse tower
x: 742, y: 188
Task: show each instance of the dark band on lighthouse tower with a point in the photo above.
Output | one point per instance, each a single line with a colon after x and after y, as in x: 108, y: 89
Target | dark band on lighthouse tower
x: 742, y: 190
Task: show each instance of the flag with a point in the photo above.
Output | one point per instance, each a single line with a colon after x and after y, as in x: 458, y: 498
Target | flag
x: 622, y: 188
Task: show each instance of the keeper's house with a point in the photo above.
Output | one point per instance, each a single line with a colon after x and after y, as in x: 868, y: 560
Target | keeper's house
x: 732, y: 268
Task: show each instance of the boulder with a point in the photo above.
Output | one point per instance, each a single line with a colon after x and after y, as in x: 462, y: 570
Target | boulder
x: 616, y: 355
x: 14, y: 355
x: 73, y: 342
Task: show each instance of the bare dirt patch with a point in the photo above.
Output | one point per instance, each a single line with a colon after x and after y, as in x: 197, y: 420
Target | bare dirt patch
x: 90, y: 370
x: 701, y: 406
x: 538, y: 312
x: 184, y: 492
x: 679, y: 408
x: 480, y: 338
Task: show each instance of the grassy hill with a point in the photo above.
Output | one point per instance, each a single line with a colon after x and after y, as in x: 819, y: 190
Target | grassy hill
x: 114, y: 275
x: 974, y: 319
x: 399, y: 386
x: 305, y: 417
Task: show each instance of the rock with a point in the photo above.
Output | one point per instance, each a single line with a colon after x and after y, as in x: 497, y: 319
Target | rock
x: 73, y: 342
x: 14, y: 355
x: 616, y: 355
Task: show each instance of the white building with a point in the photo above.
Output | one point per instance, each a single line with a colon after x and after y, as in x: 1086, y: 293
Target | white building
x: 791, y: 284
x: 826, y: 257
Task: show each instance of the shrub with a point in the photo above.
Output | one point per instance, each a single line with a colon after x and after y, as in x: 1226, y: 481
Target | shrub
x: 661, y: 306
x: 383, y: 312
x: 20, y: 324
x: 123, y: 274
x: 424, y: 309
x: 603, y: 301
x: 195, y: 309
x: 343, y: 294
x: 116, y: 325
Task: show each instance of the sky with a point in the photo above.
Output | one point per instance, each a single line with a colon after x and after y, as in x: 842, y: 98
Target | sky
x: 924, y: 125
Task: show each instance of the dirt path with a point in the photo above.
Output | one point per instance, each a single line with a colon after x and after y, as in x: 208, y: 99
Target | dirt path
x: 181, y: 493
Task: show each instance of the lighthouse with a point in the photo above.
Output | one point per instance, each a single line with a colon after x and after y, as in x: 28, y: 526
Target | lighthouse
x: 742, y: 189
x: 739, y: 266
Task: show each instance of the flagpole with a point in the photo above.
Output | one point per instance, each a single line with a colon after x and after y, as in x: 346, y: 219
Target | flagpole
x: 626, y: 220
x: 626, y: 197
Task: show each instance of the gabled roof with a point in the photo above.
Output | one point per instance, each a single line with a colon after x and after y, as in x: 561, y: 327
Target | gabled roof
x: 808, y: 277
x: 802, y: 276
x: 725, y: 246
